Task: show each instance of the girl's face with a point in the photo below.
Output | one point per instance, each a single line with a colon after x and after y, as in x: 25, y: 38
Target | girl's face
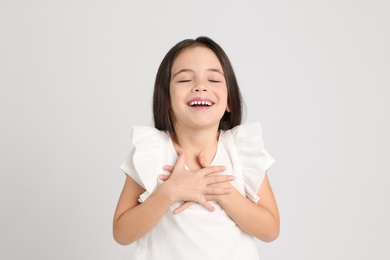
x: 198, y: 89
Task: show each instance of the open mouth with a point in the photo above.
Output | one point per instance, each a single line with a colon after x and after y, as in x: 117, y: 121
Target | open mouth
x: 200, y: 103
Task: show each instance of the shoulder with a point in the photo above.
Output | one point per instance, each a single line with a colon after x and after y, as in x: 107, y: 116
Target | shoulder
x: 248, y: 129
x: 246, y: 143
x: 147, y: 140
x: 145, y: 151
x: 243, y: 133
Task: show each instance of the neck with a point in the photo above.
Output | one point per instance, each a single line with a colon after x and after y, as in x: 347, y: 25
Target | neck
x: 193, y: 141
x: 196, y: 138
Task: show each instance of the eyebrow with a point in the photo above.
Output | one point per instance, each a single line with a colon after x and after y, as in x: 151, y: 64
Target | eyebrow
x: 217, y: 70
x: 180, y: 71
x: 189, y: 70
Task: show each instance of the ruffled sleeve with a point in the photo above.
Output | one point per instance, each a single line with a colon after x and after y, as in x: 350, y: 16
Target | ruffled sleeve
x: 255, y: 160
x: 142, y: 162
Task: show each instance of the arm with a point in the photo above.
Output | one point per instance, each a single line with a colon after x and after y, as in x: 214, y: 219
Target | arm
x: 260, y: 220
x: 133, y: 219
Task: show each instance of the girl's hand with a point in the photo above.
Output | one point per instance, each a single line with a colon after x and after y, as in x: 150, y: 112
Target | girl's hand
x: 212, y: 183
x: 186, y: 204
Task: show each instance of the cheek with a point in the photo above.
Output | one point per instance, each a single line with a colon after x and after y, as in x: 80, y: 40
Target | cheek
x: 175, y: 97
x: 225, y: 94
x: 174, y: 92
x: 227, y: 100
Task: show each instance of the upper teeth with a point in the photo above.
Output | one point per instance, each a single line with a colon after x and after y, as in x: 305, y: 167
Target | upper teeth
x: 203, y: 103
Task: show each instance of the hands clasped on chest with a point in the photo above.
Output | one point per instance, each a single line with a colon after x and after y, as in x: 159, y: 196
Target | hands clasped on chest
x: 198, y: 186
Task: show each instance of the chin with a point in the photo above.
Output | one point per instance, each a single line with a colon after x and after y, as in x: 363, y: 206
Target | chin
x: 205, y: 124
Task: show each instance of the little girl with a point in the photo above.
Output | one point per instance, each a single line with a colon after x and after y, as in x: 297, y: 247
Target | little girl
x: 196, y: 185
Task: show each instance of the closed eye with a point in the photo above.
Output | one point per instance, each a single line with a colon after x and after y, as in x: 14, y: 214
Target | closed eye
x: 215, y: 81
x: 182, y: 81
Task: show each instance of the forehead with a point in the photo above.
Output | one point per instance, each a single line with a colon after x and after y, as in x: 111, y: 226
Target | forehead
x: 196, y: 58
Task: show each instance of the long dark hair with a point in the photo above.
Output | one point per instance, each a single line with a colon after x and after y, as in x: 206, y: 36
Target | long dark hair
x: 162, y: 112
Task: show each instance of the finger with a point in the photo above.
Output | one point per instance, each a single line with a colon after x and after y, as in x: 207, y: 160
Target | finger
x: 183, y: 207
x: 181, y: 161
x: 213, y: 169
x: 207, y: 205
x: 163, y: 177
x: 168, y: 168
x: 218, y: 191
x: 219, y: 178
x: 202, y: 160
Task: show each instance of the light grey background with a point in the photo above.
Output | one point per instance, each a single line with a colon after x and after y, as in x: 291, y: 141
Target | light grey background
x: 76, y: 75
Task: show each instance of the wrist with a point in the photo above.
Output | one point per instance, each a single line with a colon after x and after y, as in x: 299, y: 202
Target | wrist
x: 166, y: 192
x: 223, y: 199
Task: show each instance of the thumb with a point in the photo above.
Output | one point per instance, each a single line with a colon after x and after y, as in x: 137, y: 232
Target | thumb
x: 181, y: 161
x: 202, y: 160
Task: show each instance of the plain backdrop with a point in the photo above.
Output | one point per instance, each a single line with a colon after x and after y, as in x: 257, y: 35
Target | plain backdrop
x: 76, y: 75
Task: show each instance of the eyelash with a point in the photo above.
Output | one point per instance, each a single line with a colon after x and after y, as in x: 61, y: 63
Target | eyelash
x: 213, y: 81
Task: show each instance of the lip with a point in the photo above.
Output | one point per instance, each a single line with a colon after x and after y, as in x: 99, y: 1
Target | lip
x: 200, y: 99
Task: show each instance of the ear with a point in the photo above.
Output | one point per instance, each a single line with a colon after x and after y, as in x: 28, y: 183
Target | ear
x: 228, y: 108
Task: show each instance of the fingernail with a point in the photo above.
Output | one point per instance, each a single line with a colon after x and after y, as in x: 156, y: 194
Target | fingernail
x: 180, y: 151
x: 231, y: 178
x: 229, y: 190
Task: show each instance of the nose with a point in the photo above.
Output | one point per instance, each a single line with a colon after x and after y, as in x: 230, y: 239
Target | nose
x: 200, y: 86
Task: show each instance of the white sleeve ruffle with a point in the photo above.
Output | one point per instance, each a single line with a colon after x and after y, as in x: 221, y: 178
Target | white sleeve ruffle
x: 255, y: 160
x: 142, y: 162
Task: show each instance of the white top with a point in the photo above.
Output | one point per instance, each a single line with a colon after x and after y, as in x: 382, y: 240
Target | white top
x: 198, y: 233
